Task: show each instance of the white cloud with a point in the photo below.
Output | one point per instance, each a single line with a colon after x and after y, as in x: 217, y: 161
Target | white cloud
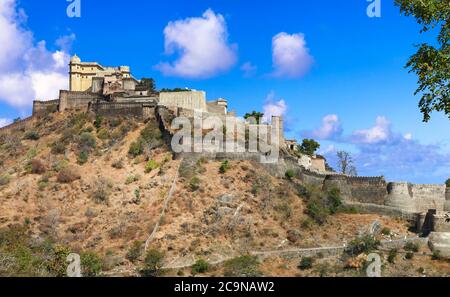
x: 408, y: 136
x: 290, y: 55
x: 28, y: 71
x: 381, y: 132
x: 249, y: 69
x: 202, y: 43
x: 273, y: 107
x: 4, y: 122
x: 331, y: 128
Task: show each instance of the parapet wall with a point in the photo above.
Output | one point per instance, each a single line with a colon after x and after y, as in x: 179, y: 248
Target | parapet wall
x: 21, y: 125
x: 358, y: 189
x: 77, y: 100
x: 41, y: 108
x: 118, y: 109
x: 416, y: 198
x: 195, y: 100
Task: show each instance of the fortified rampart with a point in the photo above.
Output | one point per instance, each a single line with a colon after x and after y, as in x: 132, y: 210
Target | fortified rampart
x: 69, y: 100
x: 20, y: 125
x: 42, y: 108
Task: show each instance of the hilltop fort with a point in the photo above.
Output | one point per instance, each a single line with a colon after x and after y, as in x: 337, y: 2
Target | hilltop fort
x: 113, y: 92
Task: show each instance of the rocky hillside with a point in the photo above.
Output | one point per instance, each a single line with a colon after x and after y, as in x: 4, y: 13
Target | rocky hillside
x: 110, y: 190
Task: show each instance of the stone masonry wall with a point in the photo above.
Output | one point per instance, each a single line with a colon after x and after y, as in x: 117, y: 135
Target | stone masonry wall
x: 76, y: 100
x: 118, y: 109
x: 21, y: 125
x: 416, y: 198
x: 45, y: 107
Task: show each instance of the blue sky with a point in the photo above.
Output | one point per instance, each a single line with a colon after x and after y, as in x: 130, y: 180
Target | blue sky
x: 334, y: 73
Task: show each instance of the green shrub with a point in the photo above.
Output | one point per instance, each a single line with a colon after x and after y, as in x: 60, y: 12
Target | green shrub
x: 243, y: 266
x: 98, y: 121
x: 317, y: 210
x: 153, y: 264
x: 392, y: 256
x: 58, y: 148
x: 306, y: 263
x: 290, y: 174
x: 136, y: 148
x: 386, y: 231
x: 115, y: 122
x: 32, y: 135
x: 87, y: 141
x: 151, y: 133
x: 436, y: 255
x: 363, y: 244
x: 411, y: 247
x: 83, y: 157
x: 137, y: 196
x: 334, y: 200
x: 447, y: 183
x: 131, y: 179
x: 194, y: 184
x: 91, y: 264
x: 224, y: 167
x: 201, y: 266
x: 151, y: 165
x: 409, y: 255
x: 307, y: 223
x: 103, y: 134
x: 135, y: 251
x: 101, y: 194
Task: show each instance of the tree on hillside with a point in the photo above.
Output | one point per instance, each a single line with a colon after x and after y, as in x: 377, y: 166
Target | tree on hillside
x: 431, y: 63
x: 255, y: 115
x: 309, y: 147
x: 148, y: 84
x: 345, y: 163
x: 447, y: 183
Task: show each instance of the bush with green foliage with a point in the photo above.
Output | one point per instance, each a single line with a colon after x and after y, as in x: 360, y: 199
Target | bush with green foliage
x: 447, y: 183
x: 411, y: 247
x: 4, y: 180
x: 131, y: 179
x: 91, y: 264
x: 386, y: 231
x: 243, y: 266
x: 392, y: 256
x: 363, y: 244
x: 103, y: 134
x: 153, y: 264
x: 58, y: 148
x: 224, y: 167
x: 436, y: 255
x: 320, y: 204
x: 306, y: 263
x: 135, y: 251
x: 98, y: 121
x: 290, y: 174
x: 136, y: 148
x: 83, y: 157
x: 87, y: 141
x: 201, y: 266
x: 151, y: 165
x: 32, y: 135
x: 194, y: 184
x: 409, y: 255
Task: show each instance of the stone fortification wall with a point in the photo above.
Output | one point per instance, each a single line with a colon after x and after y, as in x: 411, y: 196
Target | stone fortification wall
x: 21, y: 125
x: 119, y: 109
x: 42, y: 108
x: 416, y: 198
x: 359, y: 189
x: 195, y: 100
x: 69, y: 100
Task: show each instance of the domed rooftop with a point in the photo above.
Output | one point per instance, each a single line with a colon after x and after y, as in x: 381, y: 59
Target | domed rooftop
x: 75, y: 59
